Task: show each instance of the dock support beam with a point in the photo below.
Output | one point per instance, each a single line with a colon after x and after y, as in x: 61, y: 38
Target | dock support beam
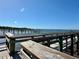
x: 61, y: 43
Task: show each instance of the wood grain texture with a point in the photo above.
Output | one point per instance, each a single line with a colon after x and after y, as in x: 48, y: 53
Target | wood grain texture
x: 43, y: 52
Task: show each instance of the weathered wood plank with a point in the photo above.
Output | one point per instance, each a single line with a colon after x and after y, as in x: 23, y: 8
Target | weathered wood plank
x: 4, y: 55
x: 42, y: 52
x: 24, y: 55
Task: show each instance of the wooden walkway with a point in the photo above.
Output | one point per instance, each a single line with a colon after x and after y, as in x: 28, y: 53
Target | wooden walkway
x: 38, y: 49
x: 4, y: 53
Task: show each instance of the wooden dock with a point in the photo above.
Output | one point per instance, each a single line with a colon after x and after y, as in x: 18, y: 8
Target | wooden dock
x: 66, y: 41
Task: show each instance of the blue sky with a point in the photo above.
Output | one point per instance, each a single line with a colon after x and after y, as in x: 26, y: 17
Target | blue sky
x: 46, y: 14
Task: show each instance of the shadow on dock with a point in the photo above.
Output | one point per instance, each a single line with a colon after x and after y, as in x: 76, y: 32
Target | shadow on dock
x: 16, y: 56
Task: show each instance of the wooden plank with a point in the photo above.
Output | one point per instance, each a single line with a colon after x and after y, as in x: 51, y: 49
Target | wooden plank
x: 42, y: 52
x: 24, y: 55
x: 4, y: 55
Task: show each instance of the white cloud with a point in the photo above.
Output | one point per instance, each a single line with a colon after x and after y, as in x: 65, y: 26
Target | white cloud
x: 22, y: 10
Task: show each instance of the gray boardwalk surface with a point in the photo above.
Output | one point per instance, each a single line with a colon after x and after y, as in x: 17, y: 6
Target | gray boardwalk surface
x: 4, y: 54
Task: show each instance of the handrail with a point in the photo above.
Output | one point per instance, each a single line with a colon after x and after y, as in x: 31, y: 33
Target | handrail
x: 11, y: 39
x: 36, y: 35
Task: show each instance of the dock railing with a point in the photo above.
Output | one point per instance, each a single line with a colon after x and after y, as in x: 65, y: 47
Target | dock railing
x: 46, y: 39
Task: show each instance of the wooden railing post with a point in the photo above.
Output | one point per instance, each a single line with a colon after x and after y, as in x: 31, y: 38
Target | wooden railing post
x: 10, y: 41
x: 43, y: 42
x: 48, y: 42
x: 72, y: 45
x: 77, y: 44
x: 61, y: 43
